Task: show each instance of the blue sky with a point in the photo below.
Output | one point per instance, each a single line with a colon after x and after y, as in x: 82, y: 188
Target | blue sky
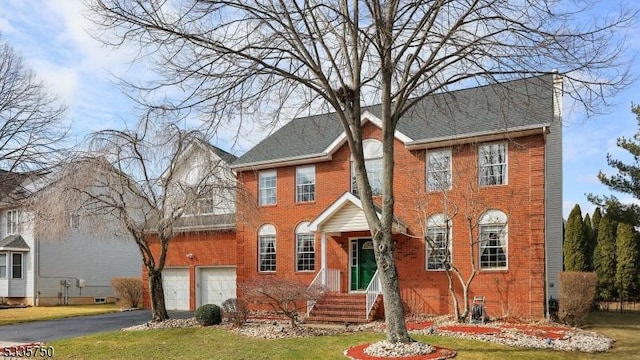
x: 51, y: 36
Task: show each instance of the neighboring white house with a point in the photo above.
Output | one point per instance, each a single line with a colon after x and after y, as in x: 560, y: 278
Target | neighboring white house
x: 39, y: 270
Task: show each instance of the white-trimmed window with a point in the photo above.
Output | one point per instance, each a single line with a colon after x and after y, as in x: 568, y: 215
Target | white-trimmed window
x: 439, y: 170
x: 268, y: 187
x: 205, y: 200
x: 75, y: 221
x: 372, y: 150
x: 3, y: 266
x: 305, y: 248
x: 13, y: 222
x: 16, y: 266
x: 494, y: 243
x: 305, y: 183
x: 438, y: 240
x: 267, y: 248
x: 492, y: 164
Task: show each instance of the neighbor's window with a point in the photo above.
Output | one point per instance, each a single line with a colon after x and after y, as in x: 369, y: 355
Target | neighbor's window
x: 305, y: 248
x: 438, y: 242
x: 372, y: 150
x: 3, y: 266
x: 13, y: 222
x: 267, y: 248
x: 75, y: 221
x: 492, y: 164
x: 439, y: 170
x: 205, y: 199
x: 494, y: 242
x: 268, y: 185
x: 16, y: 266
x: 305, y: 183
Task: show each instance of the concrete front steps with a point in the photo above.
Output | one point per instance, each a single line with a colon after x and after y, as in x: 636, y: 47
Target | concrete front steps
x: 338, y: 308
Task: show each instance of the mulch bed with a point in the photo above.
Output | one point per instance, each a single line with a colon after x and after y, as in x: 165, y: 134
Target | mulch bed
x: 357, y: 353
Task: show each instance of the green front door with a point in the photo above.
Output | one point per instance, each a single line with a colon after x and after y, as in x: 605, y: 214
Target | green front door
x: 363, y: 263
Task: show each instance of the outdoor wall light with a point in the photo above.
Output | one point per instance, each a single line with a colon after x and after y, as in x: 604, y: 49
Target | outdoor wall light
x: 190, y: 255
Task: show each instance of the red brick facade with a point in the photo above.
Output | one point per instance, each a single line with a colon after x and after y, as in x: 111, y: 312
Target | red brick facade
x: 515, y: 292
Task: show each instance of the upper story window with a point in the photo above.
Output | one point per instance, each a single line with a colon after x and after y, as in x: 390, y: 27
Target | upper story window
x: 439, y: 170
x: 438, y: 242
x: 492, y: 164
x: 305, y: 248
x: 372, y: 150
x: 267, y: 248
x: 205, y: 200
x: 75, y: 221
x: 13, y: 222
x: 16, y: 266
x: 305, y: 183
x: 268, y: 187
x: 3, y: 266
x: 494, y: 244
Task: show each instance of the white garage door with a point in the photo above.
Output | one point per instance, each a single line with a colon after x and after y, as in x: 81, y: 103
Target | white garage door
x: 176, y: 288
x: 216, y: 285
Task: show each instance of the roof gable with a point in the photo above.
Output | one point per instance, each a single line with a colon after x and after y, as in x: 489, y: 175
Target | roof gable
x: 14, y: 243
x: 490, y: 109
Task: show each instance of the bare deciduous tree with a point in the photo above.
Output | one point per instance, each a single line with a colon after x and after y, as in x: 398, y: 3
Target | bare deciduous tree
x: 142, y: 181
x: 31, y: 129
x: 233, y: 59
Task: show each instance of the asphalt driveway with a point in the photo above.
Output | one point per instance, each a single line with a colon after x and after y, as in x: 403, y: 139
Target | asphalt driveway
x: 43, y: 331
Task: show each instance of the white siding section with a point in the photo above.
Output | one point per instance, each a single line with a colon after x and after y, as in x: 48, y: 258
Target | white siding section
x: 82, y: 255
x: 348, y: 218
x: 553, y: 197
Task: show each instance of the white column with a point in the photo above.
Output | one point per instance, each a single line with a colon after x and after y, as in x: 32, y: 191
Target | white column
x: 323, y: 257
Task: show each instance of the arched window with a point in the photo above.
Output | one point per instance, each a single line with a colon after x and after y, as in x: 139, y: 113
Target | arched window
x: 438, y: 238
x: 267, y: 248
x: 372, y: 150
x: 305, y: 248
x: 494, y: 244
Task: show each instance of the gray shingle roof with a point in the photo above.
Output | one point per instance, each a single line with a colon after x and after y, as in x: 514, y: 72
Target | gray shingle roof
x: 14, y: 242
x: 486, y: 109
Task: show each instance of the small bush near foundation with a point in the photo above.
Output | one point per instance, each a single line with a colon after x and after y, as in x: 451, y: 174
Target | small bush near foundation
x: 236, y: 311
x: 209, y: 314
x: 577, y: 291
x: 129, y: 291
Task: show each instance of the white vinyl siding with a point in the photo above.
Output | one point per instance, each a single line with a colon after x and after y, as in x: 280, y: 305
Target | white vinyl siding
x: 439, y: 170
x: 492, y: 164
x: 268, y: 187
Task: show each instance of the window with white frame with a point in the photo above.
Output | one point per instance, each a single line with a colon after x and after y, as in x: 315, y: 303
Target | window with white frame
x: 268, y: 187
x: 305, y: 183
x: 267, y: 248
x: 16, y: 266
x: 492, y: 164
x: 205, y: 200
x: 3, y: 266
x: 75, y: 221
x: 13, y: 222
x: 494, y: 244
x: 438, y: 240
x: 372, y: 150
x: 305, y: 248
x: 439, y: 170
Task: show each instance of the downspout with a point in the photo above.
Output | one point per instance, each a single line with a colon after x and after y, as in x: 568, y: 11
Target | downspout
x: 36, y: 272
x: 546, y: 245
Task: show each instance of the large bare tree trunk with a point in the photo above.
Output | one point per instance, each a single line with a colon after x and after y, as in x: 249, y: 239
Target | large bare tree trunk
x: 158, y: 308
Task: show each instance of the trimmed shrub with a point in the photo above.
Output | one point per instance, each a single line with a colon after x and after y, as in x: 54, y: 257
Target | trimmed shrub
x: 209, y: 314
x: 577, y: 291
x: 236, y: 311
x: 129, y: 291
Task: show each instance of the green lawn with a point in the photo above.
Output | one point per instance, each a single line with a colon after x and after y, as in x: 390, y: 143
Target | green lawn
x: 222, y: 344
x: 14, y: 316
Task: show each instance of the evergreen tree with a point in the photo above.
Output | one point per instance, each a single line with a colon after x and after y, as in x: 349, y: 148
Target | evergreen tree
x: 590, y: 242
x: 574, y: 247
x: 595, y: 222
x: 604, y: 258
x: 626, y: 261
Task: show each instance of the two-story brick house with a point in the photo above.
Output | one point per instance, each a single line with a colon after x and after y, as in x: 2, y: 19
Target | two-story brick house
x: 478, y: 171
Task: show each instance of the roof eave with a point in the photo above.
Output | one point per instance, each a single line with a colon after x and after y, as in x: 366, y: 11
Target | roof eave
x: 295, y: 160
x: 511, y: 133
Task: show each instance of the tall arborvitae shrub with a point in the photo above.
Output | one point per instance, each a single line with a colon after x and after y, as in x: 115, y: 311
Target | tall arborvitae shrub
x: 604, y: 258
x: 626, y: 279
x: 577, y: 292
x: 590, y: 242
x: 574, y: 247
